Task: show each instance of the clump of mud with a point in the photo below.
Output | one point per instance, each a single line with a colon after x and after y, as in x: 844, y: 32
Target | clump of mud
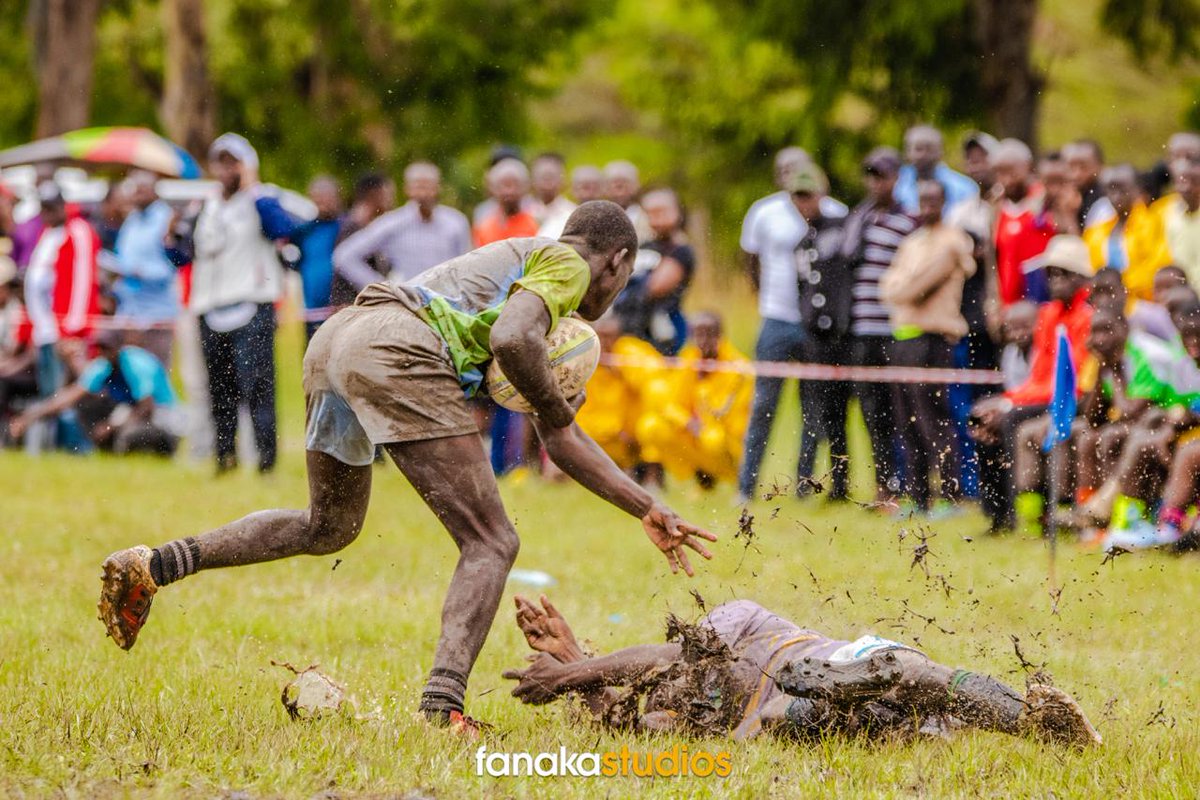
x: 311, y: 693
x: 698, y: 691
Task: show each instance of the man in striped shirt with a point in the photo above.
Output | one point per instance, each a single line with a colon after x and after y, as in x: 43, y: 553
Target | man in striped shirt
x: 874, y: 231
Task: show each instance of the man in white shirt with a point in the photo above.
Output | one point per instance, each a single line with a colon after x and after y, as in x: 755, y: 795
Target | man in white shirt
x: 236, y: 279
x: 771, y: 231
x: 420, y: 234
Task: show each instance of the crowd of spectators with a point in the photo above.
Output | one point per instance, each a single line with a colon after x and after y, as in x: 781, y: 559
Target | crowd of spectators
x: 978, y: 270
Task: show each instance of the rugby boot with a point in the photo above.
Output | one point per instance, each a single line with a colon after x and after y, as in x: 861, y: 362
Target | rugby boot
x: 126, y: 593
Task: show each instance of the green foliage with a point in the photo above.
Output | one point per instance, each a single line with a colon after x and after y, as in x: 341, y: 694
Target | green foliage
x: 1154, y: 28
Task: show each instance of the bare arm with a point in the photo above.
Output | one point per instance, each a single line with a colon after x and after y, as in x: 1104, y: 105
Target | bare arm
x: 17, y: 363
x: 350, y: 257
x: 61, y: 400
x: 753, y: 269
x: 518, y: 341
x: 665, y: 278
x: 547, y: 677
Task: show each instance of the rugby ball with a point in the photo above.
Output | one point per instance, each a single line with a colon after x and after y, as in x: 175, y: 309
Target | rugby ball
x: 574, y: 351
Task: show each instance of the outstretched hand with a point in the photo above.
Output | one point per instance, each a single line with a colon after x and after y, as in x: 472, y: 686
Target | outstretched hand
x: 672, y: 535
x: 546, y: 631
x: 540, y: 682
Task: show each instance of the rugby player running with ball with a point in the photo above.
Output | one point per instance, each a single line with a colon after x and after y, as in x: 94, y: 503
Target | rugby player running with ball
x: 396, y: 370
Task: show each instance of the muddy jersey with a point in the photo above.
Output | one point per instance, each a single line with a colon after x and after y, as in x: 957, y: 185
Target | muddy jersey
x: 761, y: 642
x: 461, y: 298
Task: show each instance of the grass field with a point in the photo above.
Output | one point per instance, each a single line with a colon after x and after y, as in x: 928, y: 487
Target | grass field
x: 194, y: 709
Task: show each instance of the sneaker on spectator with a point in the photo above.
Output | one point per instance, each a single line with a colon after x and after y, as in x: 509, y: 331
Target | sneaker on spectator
x: 1141, y: 535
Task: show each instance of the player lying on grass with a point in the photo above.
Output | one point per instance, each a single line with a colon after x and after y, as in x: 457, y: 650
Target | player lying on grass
x: 395, y: 369
x: 746, y: 670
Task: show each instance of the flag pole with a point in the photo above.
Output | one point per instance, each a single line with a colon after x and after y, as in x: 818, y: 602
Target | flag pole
x: 1054, y: 468
x: 1062, y: 412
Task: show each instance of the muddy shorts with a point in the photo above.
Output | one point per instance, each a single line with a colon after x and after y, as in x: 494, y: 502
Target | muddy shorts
x: 763, y: 642
x: 375, y: 375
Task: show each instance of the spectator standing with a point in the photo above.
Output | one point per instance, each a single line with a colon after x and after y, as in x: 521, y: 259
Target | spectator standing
x: 923, y: 149
x: 374, y: 195
x: 508, y: 182
x: 236, y: 279
x: 587, y: 183
x: 977, y: 350
x: 316, y: 239
x: 650, y: 305
x: 1085, y: 160
x: 410, y: 239
x: 1023, y: 228
x: 1181, y: 146
x: 1133, y: 241
x: 146, y: 289
x: 771, y: 232
x: 1181, y: 221
x: 874, y: 231
x: 826, y: 293
x: 622, y: 182
x: 923, y: 289
x: 110, y: 215
x: 61, y: 298
x: 549, y: 174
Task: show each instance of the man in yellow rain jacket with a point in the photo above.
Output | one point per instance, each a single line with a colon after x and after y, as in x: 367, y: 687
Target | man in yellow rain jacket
x: 695, y: 424
x: 615, y: 393
x: 1133, y: 242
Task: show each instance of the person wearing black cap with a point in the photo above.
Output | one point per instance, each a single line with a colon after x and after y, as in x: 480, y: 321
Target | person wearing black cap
x: 874, y: 231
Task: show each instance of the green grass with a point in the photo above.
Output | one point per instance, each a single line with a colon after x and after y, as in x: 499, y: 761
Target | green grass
x: 194, y: 709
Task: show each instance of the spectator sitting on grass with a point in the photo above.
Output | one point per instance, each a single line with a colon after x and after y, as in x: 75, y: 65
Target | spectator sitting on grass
x: 698, y: 427
x: 1016, y: 334
x: 123, y: 397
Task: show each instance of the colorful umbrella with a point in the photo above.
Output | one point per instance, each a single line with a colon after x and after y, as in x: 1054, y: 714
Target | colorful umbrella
x: 134, y: 147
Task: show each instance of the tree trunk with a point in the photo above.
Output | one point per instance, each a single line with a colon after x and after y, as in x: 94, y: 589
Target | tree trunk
x: 1011, y: 84
x: 188, y: 106
x: 64, y: 47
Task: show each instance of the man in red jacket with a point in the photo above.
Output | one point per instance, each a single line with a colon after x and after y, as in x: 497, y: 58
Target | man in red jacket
x: 994, y: 420
x: 61, y: 293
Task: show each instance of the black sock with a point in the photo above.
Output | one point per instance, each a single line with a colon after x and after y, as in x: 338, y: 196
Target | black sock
x: 444, y: 692
x: 174, y: 560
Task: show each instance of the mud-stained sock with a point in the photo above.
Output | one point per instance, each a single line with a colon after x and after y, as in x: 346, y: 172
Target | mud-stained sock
x: 444, y: 692
x: 984, y: 702
x: 174, y: 560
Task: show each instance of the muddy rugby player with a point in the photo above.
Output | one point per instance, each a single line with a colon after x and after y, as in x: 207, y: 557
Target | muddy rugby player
x: 395, y: 370
x: 743, y: 670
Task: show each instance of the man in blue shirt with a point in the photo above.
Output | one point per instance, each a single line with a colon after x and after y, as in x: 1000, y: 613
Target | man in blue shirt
x: 316, y: 240
x: 123, y: 397
x: 147, y: 299
x: 923, y: 152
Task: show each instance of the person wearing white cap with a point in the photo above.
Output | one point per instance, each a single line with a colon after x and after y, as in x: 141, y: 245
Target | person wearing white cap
x: 236, y: 279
